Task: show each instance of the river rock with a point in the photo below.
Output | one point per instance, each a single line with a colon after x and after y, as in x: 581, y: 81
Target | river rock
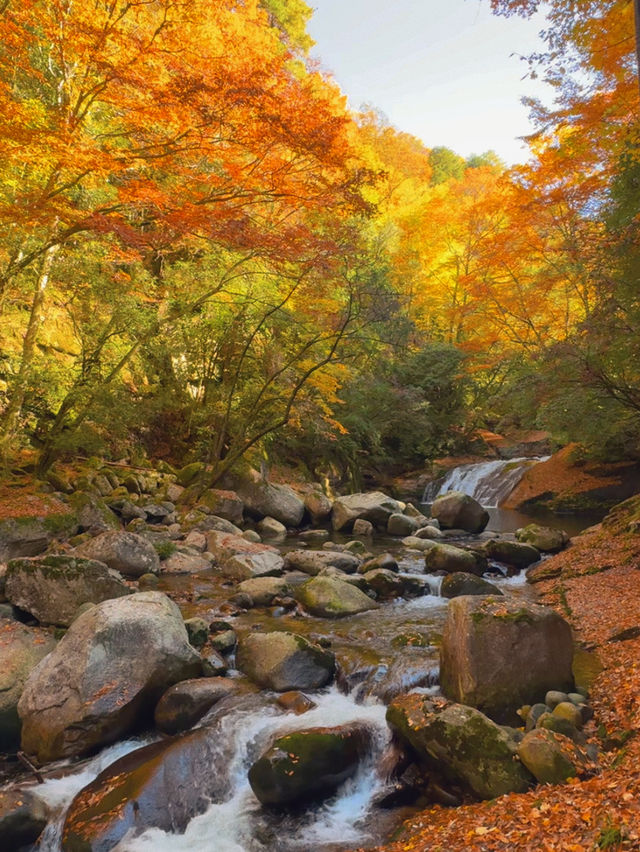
x: 460, y: 511
x: 23, y: 818
x: 386, y: 584
x: 551, y: 758
x: 52, y: 588
x: 415, y: 543
x: 262, y: 499
x: 184, y: 563
x: 105, y: 675
x: 185, y: 703
x: 545, y: 539
x: 318, y: 506
x: 463, y: 744
x: 126, y: 552
x: 403, y: 525
x: 262, y: 590
x: 92, y: 513
x: 363, y: 528
x: 384, y: 560
x: 429, y: 532
x: 270, y: 528
x: 460, y: 583
x: 162, y: 785
x: 21, y: 649
x: 329, y: 597
x: 312, y: 562
x: 511, y: 552
x: 372, y: 506
x: 245, y: 566
x: 500, y: 653
x: 308, y: 764
x: 446, y: 557
x: 284, y: 661
x: 31, y: 535
x: 223, y: 504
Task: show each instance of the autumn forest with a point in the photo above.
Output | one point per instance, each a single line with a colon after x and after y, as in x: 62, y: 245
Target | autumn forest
x: 205, y: 255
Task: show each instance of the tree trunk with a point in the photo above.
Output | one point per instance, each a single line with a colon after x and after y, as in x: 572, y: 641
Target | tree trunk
x: 13, y: 412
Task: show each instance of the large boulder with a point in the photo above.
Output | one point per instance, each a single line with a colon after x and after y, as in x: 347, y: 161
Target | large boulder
x: 460, y: 511
x: 284, y: 661
x: 105, y: 676
x: 92, y: 513
x: 461, y: 743
x: 372, y: 506
x: 545, y: 539
x: 329, y: 597
x: 446, y: 557
x: 512, y: 553
x: 245, y: 566
x: 459, y: 583
x: 32, y: 534
x: 313, y: 562
x: 21, y: 649
x: 500, y: 653
x: 262, y: 499
x: 126, y: 552
x: 308, y: 764
x: 52, y: 588
x: 162, y: 785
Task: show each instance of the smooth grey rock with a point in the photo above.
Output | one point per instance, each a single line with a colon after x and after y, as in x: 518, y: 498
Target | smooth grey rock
x: 373, y: 506
x: 126, y: 552
x: 284, y: 661
x: 459, y: 511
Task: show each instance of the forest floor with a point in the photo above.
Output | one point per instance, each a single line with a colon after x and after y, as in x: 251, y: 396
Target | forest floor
x: 597, y: 588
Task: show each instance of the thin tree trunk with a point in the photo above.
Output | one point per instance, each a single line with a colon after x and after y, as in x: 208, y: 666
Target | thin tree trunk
x: 13, y: 412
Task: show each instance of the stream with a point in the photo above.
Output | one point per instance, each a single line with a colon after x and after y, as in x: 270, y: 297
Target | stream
x: 380, y: 655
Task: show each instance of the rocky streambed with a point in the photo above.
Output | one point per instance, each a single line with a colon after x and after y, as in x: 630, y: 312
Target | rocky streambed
x: 274, y: 656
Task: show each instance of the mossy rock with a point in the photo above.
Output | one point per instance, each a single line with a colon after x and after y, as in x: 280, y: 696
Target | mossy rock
x: 550, y: 757
x: 329, y: 597
x: 460, y: 742
x: 308, y: 765
x: 461, y: 583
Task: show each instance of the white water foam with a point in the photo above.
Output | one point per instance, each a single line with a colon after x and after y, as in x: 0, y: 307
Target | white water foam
x: 487, y: 482
x: 230, y: 826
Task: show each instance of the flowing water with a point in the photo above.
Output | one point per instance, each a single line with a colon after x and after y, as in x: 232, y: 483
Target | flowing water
x: 381, y: 654
x: 488, y: 482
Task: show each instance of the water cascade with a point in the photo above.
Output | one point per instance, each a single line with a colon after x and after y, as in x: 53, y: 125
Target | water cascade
x: 488, y: 482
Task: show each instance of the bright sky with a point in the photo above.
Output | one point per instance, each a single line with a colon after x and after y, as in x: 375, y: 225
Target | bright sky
x: 443, y: 70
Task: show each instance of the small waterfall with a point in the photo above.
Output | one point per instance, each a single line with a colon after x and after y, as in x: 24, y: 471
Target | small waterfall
x: 488, y: 482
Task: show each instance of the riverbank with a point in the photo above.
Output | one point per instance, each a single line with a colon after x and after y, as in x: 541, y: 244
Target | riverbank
x: 595, y: 587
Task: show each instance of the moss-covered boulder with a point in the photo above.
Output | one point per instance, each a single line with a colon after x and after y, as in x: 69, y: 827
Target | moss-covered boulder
x: 550, y: 757
x: 459, y: 511
x: 329, y: 597
x: 23, y: 818
x: 461, y: 583
x: 284, y: 661
x: 499, y: 653
x: 461, y: 743
x: 544, y: 539
x: 92, y: 513
x: 21, y: 649
x: 308, y: 764
x: 513, y: 553
x: 52, y: 588
x: 446, y: 557
x: 31, y: 535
